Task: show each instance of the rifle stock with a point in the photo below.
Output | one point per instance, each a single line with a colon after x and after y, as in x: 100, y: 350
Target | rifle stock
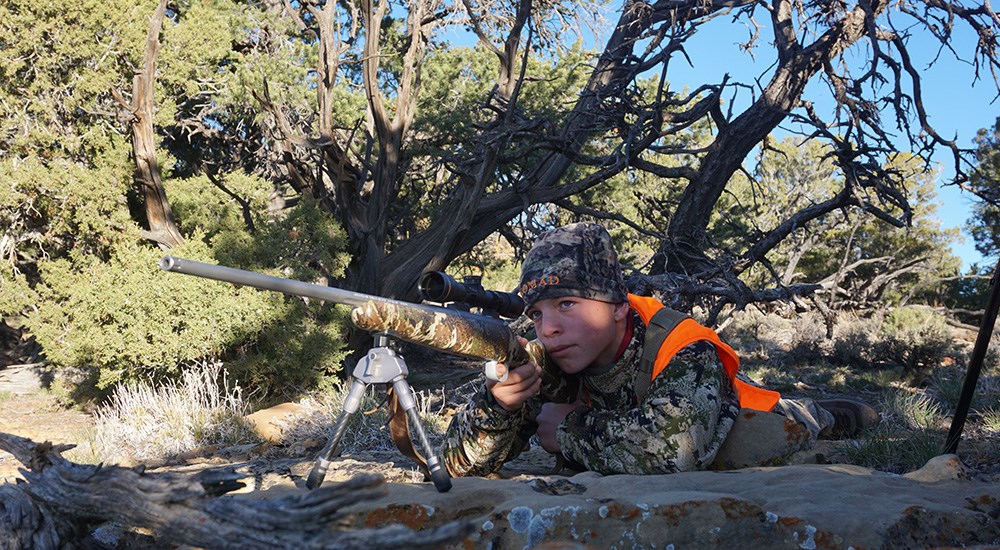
x: 447, y: 330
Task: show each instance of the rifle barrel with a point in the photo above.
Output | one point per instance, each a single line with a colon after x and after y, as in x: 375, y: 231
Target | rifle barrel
x: 449, y: 330
x: 267, y: 282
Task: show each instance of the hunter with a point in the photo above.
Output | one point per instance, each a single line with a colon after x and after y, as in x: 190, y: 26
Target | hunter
x: 599, y: 397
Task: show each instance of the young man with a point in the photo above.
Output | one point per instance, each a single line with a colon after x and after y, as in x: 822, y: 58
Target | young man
x: 594, y: 396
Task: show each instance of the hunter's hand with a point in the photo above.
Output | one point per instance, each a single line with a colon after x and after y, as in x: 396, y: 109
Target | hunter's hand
x: 549, y: 418
x: 522, y: 384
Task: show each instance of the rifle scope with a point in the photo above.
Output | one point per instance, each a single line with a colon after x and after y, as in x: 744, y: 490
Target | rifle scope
x: 437, y: 286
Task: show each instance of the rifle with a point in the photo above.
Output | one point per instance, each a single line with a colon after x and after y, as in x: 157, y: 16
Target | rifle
x: 446, y: 329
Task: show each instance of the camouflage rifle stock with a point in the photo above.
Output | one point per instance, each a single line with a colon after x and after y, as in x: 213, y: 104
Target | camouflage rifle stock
x: 447, y: 330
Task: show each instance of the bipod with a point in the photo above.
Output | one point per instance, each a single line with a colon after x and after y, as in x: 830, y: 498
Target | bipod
x: 382, y: 365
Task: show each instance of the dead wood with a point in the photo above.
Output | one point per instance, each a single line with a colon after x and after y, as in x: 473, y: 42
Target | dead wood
x: 163, y: 227
x: 59, y: 501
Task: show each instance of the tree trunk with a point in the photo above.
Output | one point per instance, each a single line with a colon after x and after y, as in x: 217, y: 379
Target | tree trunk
x: 162, y: 225
x: 683, y: 250
x: 463, y: 224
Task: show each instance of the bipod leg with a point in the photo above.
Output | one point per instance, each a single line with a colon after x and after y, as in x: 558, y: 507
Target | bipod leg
x: 351, y: 405
x: 439, y: 475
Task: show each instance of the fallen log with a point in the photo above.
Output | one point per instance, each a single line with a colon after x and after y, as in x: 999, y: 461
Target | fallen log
x: 59, y: 502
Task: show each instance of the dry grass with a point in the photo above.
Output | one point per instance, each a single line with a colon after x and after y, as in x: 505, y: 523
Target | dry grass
x: 146, y: 423
x: 143, y: 422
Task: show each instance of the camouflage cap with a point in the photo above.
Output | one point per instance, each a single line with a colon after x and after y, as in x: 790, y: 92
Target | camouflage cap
x: 573, y: 260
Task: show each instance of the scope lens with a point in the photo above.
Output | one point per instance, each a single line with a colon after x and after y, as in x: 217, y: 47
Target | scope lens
x: 436, y: 286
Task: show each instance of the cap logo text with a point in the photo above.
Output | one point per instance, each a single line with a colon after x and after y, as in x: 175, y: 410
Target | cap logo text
x: 541, y: 281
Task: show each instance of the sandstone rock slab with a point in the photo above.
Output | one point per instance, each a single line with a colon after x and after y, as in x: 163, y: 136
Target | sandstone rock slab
x: 802, y: 506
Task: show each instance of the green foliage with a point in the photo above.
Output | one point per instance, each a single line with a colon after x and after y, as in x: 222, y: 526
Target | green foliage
x: 916, y: 339
x: 73, y: 265
x: 52, y: 209
x: 195, y: 45
x: 302, y: 240
x: 129, y: 319
x: 986, y: 213
x: 100, y: 301
x: 59, y: 64
x: 132, y: 321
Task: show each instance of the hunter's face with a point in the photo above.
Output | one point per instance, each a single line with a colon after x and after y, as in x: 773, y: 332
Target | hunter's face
x: 577, y: 332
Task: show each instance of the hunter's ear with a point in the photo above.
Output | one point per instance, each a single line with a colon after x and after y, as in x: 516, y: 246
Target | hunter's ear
x: 621, y: 309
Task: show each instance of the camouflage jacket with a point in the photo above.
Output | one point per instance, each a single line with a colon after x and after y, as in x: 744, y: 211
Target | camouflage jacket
x: 679, y: 426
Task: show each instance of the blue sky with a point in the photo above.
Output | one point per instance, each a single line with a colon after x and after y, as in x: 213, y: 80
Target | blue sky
x: 956, y: 107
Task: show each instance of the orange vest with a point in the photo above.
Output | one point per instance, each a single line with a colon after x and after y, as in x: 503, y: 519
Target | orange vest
x: 688, y: 332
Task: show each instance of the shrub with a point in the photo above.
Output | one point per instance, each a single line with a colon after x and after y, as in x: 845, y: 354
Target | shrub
x: 52, y: 209
x: 854, y: 341
x: 144, y: 421
x: 131, y: 321
x: 916, y: 339
x: 808, y: 341
x: 110, y: 309
x: 750, y: 333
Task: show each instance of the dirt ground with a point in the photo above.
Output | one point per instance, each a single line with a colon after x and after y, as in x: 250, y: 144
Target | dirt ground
x: 38, y: 416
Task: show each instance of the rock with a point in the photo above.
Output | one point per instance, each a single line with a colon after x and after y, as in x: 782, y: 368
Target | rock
x: 940, y: 468
x: 23, y: 379
x: 802, y: 506
x: 275, y: 424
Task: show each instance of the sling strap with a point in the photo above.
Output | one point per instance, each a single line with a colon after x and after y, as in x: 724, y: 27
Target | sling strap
x: 660, y: 325
x: 668, y: 333
x: 399, y: 429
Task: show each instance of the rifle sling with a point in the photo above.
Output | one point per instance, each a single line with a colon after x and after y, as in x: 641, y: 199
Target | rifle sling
x: 399, y: 428
x: 659, y: 327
